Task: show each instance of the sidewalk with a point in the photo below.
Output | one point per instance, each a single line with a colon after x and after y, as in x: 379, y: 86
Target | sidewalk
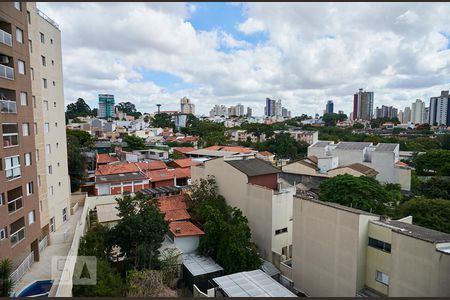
x: 61, y: 241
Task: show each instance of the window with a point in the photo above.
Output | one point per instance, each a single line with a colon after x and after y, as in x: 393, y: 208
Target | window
x: 23, y: 99
x: 27, y: 157
x: 45, y: 104
x: 48, y: 149
x: 35, y: 128
x: 17, y: 230
x: 59, y: 183
x: 56, y: 124
x: 31, y: 217
x: 34, y: 101
x: 50, y: 171
x: 57, y: 145
x: 29, y: 188
x: 25, y: 129
x: 12, y: 167
x: 50, y: 190
x: 382, y: 277
x: 46, y: 127
x: 379, y: 245
x: 54, y: 104
x: 42, y: 37
x: 64, y: 213
x: 32, y: 73
x: 2, y: 202
x: 53, y: 62
x: 43, y: 60
x: 21, y: 66
x: 15, y: 199
x: 54, y: 84
x: 10, y: 135
x: 51, y: 41
x: 2, y: 234
x: 52, y: 224
x: 39, y: 181
x: 19, y: 35
x: 30, y: 46
x: 37, y: 154
x: 18, y: 6
x: 29, y: 17
x: 57, y: 164
x: 44, y: 83
x: 279, y: 231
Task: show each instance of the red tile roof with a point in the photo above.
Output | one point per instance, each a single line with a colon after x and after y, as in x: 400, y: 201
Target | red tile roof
x: 184, y: 149
x: 181, y: 229
x: 160, y: 175
x: 151, y: 165
x: 185, y: 162
x: 230, y: 149
x: 171, y: 138
x: 116, y: 169
x: 174, y: 202
x: 189, y: 139
x: 182, y: 172
x: 265, y: 153
x: 176, y: 215
x: 105, y: 158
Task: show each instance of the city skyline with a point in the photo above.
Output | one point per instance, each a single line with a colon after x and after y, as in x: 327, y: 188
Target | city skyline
x: 247, y: 58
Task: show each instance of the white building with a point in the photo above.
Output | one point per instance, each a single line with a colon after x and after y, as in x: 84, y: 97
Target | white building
x: 440, y: 109
x: 384, y: 158
x: 186, y: 107
x: 417, y: 111
x: 218, y: 110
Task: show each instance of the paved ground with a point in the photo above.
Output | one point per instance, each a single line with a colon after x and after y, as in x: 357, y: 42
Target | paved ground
x: 61, y: 241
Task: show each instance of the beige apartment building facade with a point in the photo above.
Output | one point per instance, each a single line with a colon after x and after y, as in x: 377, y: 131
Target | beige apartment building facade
x: 340, y: 251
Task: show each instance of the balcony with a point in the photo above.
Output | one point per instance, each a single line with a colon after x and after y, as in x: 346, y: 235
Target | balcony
x: 15, y: 204
x: 8, y: 107
x: 6, y: 72
x: 10, y: 135
x: 17, y: 236
x: 5, y: 38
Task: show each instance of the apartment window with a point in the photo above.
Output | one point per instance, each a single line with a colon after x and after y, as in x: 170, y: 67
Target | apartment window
x: 12, y: 167
x: 27, y: 157
x: 64, y: 214
x: 54, y: 104
x: 57, y: 145
x: 52, y: 224
x: 56, y: 124
x: 379, y: 245
x: 42, y: 37
x: 57, y: 164
x: 59, y: 183
x: 50, y: 190
x: 25, y: 129
x: 34, y: 101
x: 29, y: 188
x: 19, y: 35
x: 279, y: 231
x: 10, y: 135
x: 46, y: 104
x: 50, y: 171
x: 17, y: 230
x: 51, y: 41
x: 382, y: 277
x: 21, y: 66
x: 43, y: 60
x: 29, y: 17
x: 2, y: 234
x: 18, y: 6
x: 39, y: 181
x: 48, y: 149
x: 32, y: 73
x: 46, y: 127
x: 15, y: 199
x: 35, y: 128
x: 30, y: 46
x: 2, y: 201
x: 54, y: 84
x: 31, y: 217
x: 37, y: 154
x: 53, y: 62
x: 44, y: 83
x: 23, y: 99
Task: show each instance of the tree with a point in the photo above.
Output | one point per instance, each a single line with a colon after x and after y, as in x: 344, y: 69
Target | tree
x: 435, y: 187
x: 444, y: 139
x: 283, y: 145
x: 147, y: 283
x: 363, y: 192
x: 76, y: 162
x: 94, y: 112
x: 162, y: 120
x: 129, y: 108
x: 84, y: 138
x: 6, y: 283
x: 95, y: 243
x: 429, y: 213
x: 134, y: 142
x: 140, y: 231
x: 433, y: 162
x: 78, y: 109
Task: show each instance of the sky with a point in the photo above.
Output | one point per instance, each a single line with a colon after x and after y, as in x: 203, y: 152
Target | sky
x: 230, y: 53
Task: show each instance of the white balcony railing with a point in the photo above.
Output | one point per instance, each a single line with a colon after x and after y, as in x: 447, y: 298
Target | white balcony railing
x: 23, y: 268
x: 5, y: 38
x: 6, y: 72
x: 8, y: 107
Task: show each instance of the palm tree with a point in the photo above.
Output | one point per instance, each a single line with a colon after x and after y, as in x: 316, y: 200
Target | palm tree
x: 6, y: 283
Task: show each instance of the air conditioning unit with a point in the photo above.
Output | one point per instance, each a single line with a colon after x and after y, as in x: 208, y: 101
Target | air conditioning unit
x: 4, y: 59
x: 178, y: 230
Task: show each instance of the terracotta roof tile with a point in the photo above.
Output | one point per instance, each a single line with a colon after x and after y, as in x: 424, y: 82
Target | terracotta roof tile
x: 265, y: 153
x: 168, y: 203
x: 181, y: 229
x: 230, y: 149
x: 182, y: 172
x: 185, y: 162
x: 116, y: 169
x: 151, y: 165
x: 104, y: 158
x: 160, y: 175
x: 184, y: 149
x: 176, y: 215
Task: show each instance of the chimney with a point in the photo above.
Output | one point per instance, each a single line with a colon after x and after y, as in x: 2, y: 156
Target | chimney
x: 178, y: 230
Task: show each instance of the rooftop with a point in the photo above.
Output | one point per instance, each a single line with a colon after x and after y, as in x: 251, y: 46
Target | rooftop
x: 321, y: 144
x: 119, y: 177
x: 164, y: 190
x: 352, y: 145
x: 265, y: 153
x: 415, y: 231
x: 176, y: 215
x: 185, y: 162
x: 338, y: 206
x: 368, y: 171
x: 213, y: 153
x: 160, y: 175
x: 107, y: 212
x: 200, y: 265
x: 253, y: 166
x: 183, y: 229
x: 386, y: 147
x: 175, y: 202
x: 104, y: 158
x: 237, y: 149
x: 252, y: 284
x: 184, y: 149
x: 151, y: 165
x: 116, y: 169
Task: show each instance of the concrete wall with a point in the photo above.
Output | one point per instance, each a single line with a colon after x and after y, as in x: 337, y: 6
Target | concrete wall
x: 187, y: 244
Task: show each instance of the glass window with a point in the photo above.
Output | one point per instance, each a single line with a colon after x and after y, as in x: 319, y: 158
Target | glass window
x: 12, y: 167
x: 29, y: 188
x: 64, y: 213
x: 21, y: 66
x: 48, y: 149
x: 19, y: 35
x: 45, y: 104
x: 35, y: 128
x: 46, y: 127
x: 25, y: 129
x: 18, y: 5
x: 44, y: 83
x: 29, y: 17
x: 23, y: 99
x: 42, y: 37
x: 382, y: 277
x: 32, y: 73
x: 10, y: 134
x: 27, y: 159
x: 50, y: 171
x: 34, y: 101
x: 2, y: 234
x: 43, y: 60
x: 31, y: 217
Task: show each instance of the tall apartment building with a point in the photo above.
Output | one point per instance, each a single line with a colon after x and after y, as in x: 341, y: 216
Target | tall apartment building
x: 329, y: 107
x: 417, y: 111
x: 48, y: 103
x: 20, y: 226
x: 269, y: 109
x: 240, y: 110
x: 440, y: 109
x: 186, y: 106
x: 400, y: 116
x: 218, y: 110
x: 105, y: 106
x: 407, y: 115
x: 232, y: 111
x: 249, y: 112
x: 426, y: 115
x: 363, y: 105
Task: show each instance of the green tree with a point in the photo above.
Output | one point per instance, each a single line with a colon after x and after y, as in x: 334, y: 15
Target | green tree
x: 433, y: 162
x: 134, y: 142
x: 84, y: 138
x: 429, y: 213
x: 140, y: 231
x: 363, y: 192
x: 129, y: 108
x: 162, y: 120
x: 95, y: 242
x: 76, y: 162
x: 436, y: 187
x: 444, y: 139
x: 78, y: 109
x: 6, y: 283
x: 283, y: 145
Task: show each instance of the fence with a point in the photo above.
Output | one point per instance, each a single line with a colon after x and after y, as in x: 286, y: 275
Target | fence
x: 43, y: 244
x: 23, y: 268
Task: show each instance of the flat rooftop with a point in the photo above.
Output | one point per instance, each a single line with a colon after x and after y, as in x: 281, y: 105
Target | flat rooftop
x: 386, y: 147
x: 200, y: 265
x: 252, y: 284
x: 119, y: 177
x: 321, y: 144
x: 253, y: 166
x: 107, y: 212
x: 212, y: 153
x: 352, y: 145
x: 164, y: 190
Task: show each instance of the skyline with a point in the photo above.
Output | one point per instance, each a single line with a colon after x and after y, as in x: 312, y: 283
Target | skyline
x: 401, y: 52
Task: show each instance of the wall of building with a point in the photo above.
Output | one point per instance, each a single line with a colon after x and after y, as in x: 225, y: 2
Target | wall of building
x: 187, y: 244
x: 269, y: 180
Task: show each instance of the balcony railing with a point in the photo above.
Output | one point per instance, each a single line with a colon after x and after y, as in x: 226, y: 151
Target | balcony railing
x: 5, y: 38
x: 23, y: 268
x: 18, y: 236
x: 6, y: 72
x: 8, y: 107
x: 15, y: 204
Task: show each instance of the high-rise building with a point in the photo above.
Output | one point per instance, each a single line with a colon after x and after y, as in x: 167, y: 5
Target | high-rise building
x: 186, y: 106
x: 407, y: 115
x: 232, y: 111
x: 269, y: 109
x: 278, y: 108
x: 386, y: 112
x: 440, y: 109
x: 105, y: 106
x: 249, y: 112
x: 417, y: 111
x: 363, y: 105
x: 52, y: 169
x: 329, y: 107
x: 426, y: 115
x: 218, y: 110
x: 400, y: 116
x: 240, y: 110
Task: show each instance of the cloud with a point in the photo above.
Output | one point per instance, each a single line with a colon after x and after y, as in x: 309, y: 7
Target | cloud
x: 251, y: 26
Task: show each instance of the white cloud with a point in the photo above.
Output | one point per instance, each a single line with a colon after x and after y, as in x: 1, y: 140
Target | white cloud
x: 251, y: 26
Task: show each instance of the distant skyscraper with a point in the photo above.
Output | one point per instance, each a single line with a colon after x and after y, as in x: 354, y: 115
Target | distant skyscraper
x: 329, y: 107
x: 363, y: 105
x: 240, y: 110
x: 407, y: 115
x: 249, y: 112
x: 400, y: 116
x: 440, y: 109
x: 105, y: 106
x: 386, y: 112
x: 426, y: 115
x: 269, y: 109
x: 417, y: 110
x: 232, y: 111
x: 186, y: 107
x: 218, y: 110
x: 278, y: 109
